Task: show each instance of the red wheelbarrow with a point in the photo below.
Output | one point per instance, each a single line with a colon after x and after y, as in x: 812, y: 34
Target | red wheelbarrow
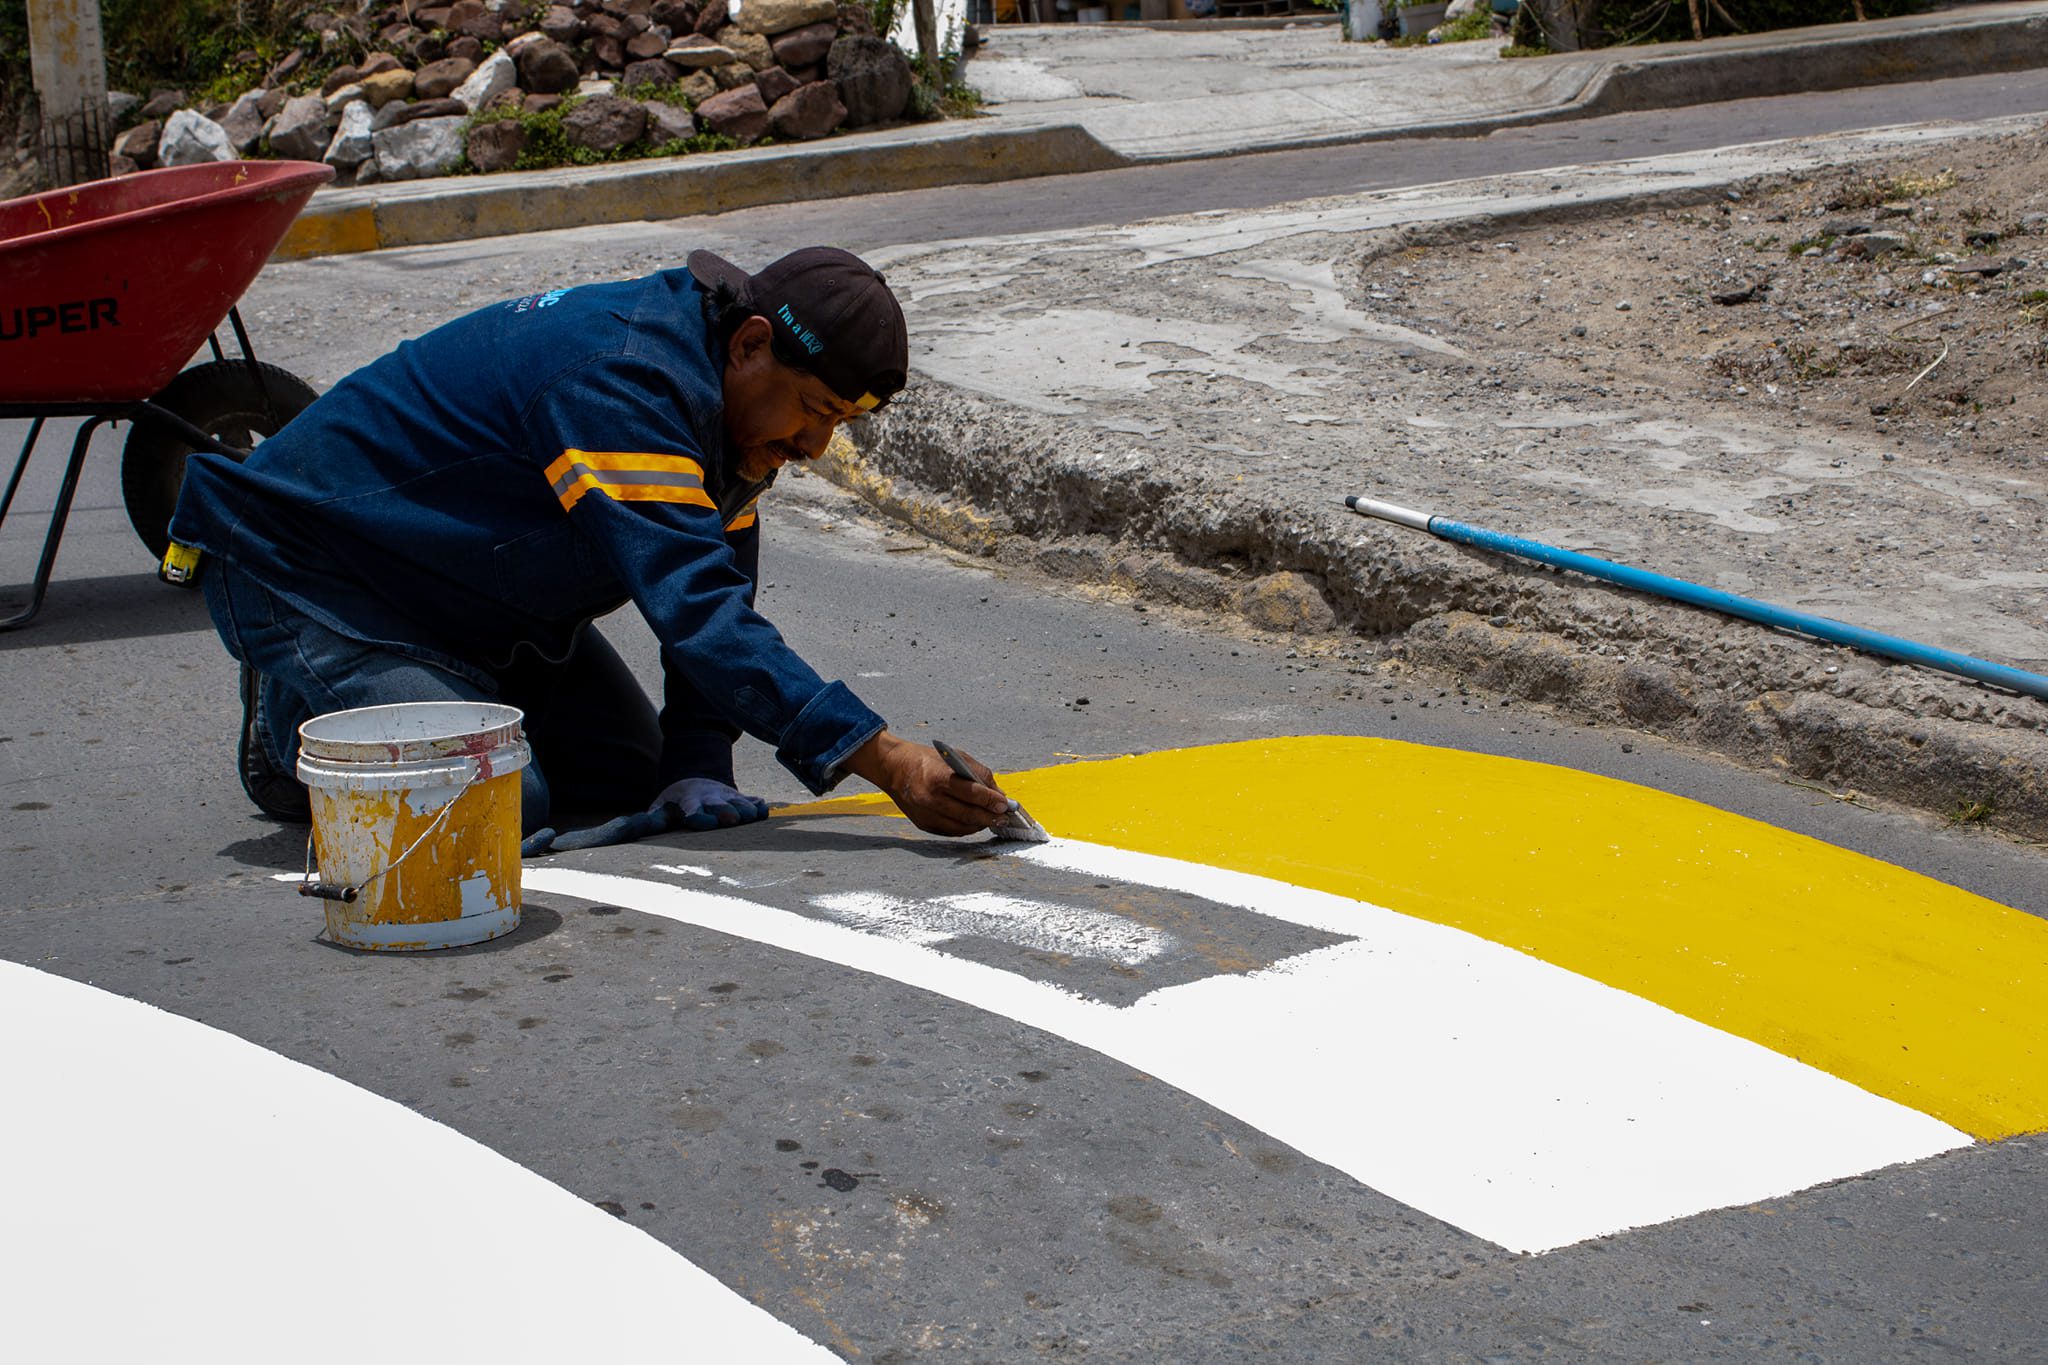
x: 107, y: 290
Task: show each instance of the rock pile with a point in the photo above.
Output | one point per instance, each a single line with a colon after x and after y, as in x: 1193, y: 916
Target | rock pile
x: 444, y: 85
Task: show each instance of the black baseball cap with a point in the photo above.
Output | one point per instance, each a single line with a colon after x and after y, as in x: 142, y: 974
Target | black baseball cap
x: 832, y: 314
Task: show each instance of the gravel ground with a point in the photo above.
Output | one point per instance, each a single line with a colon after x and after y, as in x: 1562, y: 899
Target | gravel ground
x: 1906, y: 301
x: 1176, y: 409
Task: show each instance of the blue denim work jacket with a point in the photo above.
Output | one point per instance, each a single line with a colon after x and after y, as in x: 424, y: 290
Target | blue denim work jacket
x: 497, y: 484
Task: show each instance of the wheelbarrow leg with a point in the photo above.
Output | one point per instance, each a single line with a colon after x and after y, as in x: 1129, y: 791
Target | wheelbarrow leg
x: 249, y: 358
x: 28, y: 448
x: 57, y: 519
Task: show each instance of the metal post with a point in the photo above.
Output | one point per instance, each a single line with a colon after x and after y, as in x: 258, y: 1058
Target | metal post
x: 70, y: 69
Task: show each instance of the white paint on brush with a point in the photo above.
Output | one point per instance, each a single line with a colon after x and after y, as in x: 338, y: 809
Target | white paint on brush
x: 170, y: 1184
x: 1524, y: 1103
x: 1041, y: 925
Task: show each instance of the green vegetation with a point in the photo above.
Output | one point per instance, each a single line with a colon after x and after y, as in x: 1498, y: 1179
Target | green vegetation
x: 706, y: 141
x: 1464, y: 29
x: 1970, y: 813
x: 2034, y: 309
x: 658, y: 94
x: 954, y: 100
x: 191, y: 44
x: 1468, y: 28
x: 547, y: 144
x: 1804, y: 359
x: 1867, y: 192
x: 547, y: 141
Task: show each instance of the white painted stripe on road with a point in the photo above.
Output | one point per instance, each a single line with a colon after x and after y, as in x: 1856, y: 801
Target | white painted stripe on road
x: 1041, y: 925
x: 170, y: 1191
x: 1521, y: 1102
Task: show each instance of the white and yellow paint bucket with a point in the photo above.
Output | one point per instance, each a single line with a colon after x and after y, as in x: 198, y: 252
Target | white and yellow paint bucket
x: 415, y: 822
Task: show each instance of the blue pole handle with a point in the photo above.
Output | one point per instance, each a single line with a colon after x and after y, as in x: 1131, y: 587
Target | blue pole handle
x: 1713, y: 599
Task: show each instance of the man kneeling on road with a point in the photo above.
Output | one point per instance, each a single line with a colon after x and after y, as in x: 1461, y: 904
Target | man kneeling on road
x: 447, y: 523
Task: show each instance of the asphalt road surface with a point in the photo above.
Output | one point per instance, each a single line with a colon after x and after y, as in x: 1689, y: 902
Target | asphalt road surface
x: 1628, y: 1076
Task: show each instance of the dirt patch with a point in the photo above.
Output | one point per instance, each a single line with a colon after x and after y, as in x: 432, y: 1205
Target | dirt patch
x: 1908, y: 300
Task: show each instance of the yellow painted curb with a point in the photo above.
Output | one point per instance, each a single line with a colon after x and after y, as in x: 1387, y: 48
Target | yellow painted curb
x: 1902, y: 985
x: 335, y: 232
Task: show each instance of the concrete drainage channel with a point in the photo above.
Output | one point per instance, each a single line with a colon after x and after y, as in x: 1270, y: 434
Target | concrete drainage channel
x: 1828, y: 715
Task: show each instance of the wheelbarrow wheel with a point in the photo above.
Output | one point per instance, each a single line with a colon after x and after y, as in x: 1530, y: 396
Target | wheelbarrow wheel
x: 223, y: 399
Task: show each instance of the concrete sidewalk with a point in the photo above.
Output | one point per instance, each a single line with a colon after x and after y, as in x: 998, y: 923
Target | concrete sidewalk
x: 1169, y: 94
x: 1068, y: 98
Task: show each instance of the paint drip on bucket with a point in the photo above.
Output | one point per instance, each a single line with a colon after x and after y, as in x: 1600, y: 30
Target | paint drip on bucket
x: 415, y: 822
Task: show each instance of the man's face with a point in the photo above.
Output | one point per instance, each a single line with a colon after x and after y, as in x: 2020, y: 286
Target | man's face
x: 775, y: 414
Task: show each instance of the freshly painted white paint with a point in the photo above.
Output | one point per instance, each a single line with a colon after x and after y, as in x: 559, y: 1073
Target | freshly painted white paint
x: 1042, y: 925
x: 170, y: 1192
x: 1519, y: 1101
x: 685, y: 869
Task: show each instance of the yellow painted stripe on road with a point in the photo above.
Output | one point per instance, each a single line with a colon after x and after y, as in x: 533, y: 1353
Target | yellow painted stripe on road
x: 1907, y: 987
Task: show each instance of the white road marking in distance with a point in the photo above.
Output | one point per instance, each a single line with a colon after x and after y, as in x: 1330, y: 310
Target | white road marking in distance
x: 1521, y: 1102
x: 174, y: 1192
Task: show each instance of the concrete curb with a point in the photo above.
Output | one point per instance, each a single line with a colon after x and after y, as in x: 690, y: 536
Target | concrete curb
x: 1972, y: 48
x: 463, y: 208
x: 468, y: 207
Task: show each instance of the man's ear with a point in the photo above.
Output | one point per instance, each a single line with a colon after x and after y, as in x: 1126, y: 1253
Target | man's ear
x: 750, y: 341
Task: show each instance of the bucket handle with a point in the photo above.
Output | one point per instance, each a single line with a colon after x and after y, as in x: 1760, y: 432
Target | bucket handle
x: 347, y: 893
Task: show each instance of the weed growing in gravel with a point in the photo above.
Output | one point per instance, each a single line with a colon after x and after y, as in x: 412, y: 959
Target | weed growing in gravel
x: 705, y: 141
x: 670, y: 93
x: 1806, y: 362
x: 1867, y: 192
x: 547, y: 144
x: 1970, y: 813
x: 1883, y: 358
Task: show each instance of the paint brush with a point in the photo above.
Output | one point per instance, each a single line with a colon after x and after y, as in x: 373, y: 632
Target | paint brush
x: 1018, y: 824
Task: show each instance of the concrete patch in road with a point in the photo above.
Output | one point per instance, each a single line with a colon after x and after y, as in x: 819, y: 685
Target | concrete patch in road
x: 1104, y: 939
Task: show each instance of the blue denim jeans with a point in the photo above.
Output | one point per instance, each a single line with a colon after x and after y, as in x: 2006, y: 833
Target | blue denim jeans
x: 595, y: 737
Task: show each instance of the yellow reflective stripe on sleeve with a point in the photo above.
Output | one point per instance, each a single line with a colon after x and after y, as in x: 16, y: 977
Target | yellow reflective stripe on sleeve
x: 628, y: 476
x: 746, y: 518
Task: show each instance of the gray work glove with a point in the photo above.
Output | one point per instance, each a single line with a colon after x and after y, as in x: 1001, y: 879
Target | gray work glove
x: 691, y: 803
